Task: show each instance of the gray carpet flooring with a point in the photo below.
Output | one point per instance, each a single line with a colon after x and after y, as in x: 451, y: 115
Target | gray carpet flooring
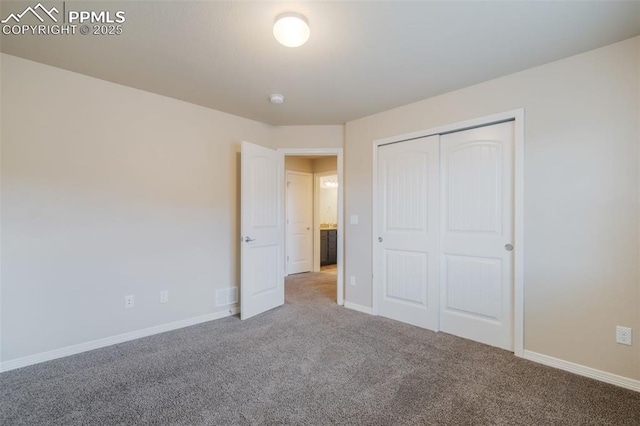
x: 309, y: 362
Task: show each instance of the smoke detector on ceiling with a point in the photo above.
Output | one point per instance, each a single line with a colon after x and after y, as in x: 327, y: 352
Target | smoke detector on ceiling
x: 276, y: 98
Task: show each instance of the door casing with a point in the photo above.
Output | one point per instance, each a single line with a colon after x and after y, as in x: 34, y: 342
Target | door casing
x: 517, y: 116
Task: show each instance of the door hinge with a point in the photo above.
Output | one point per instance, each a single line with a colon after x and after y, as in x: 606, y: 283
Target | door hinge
x: 287, y: 258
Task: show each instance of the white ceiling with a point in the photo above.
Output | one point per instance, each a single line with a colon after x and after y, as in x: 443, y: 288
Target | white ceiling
x: 362, y: 57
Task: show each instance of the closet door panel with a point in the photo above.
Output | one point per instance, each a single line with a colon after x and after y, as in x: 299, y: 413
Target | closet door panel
x: 407, y: 234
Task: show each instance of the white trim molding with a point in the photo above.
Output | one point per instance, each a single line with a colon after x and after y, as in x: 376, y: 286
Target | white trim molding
x: 113, y: 340
x: 582, y: 370
x: 359, y: 308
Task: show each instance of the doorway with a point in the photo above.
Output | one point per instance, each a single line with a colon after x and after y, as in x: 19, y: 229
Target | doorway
x: 324, y: 167
x: 311, y: 214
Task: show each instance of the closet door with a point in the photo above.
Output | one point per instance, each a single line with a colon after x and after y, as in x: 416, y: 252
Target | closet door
x: 407, y: 232
x: 477, y: 232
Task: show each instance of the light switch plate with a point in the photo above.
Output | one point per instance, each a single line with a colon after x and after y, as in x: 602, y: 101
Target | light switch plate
x: 354, y: 219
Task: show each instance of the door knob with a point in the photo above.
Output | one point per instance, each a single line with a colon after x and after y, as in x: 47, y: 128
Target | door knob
x: 308, y: 228
x: 248, y: 240
x: 380, y: 239
x: 508, y: 247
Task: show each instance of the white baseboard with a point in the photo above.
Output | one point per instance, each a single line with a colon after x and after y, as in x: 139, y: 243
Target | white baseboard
x: 582, y: 370
x: 113, y: 340
x: 359, y: 308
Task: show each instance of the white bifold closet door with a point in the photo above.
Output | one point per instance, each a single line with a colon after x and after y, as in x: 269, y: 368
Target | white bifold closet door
x: 477, y: 232
x: 444, y: 224
x: 406, y: 253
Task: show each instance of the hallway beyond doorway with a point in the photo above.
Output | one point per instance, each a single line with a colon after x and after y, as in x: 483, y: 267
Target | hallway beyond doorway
x: 331, y: 269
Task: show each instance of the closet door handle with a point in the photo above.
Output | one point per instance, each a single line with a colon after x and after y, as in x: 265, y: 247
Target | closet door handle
x: 508, y: 247
x: 380, y: 239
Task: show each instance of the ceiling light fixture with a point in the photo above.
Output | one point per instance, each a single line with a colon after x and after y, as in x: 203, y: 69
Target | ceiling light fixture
x: 276, y: 98
x: 291, y: 29
x: 329, y: 182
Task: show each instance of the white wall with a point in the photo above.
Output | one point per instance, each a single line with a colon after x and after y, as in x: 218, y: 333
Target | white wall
x: 109, y: 191
x: 298, y: 164
x: 581, y: 197
x: 308, y: 136
x: 311, y: 164
x: 325, y: 164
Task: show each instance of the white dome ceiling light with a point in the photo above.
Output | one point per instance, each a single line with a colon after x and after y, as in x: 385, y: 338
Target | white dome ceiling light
x: 276, y: 98
x: 291, y: 29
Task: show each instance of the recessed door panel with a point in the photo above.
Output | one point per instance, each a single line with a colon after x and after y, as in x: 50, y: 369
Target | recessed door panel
x: 406, y: 193
x: 406, y: 274
x: 474, y: 286
x: 263, y: 190
x: 474, y: 190
x: 266, y: 272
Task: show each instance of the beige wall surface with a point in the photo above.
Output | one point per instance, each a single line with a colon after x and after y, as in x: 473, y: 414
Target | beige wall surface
x: 298, y: 164
x: 308, y: 136
x: 325, y: 164
x: 311, y: 164
x: 581, y: 217
x: 109, y: 191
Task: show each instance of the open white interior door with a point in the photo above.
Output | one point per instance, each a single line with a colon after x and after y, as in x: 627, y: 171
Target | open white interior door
x: 262, y: 253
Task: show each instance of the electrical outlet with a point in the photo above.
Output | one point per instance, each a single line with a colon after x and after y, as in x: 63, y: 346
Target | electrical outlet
x: 623, y: 335
x: 164, y: 296
x: 352, y: 280
x: 129, y: 301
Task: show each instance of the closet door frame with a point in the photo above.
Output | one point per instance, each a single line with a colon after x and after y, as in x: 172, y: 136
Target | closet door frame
x: 517, y: 116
